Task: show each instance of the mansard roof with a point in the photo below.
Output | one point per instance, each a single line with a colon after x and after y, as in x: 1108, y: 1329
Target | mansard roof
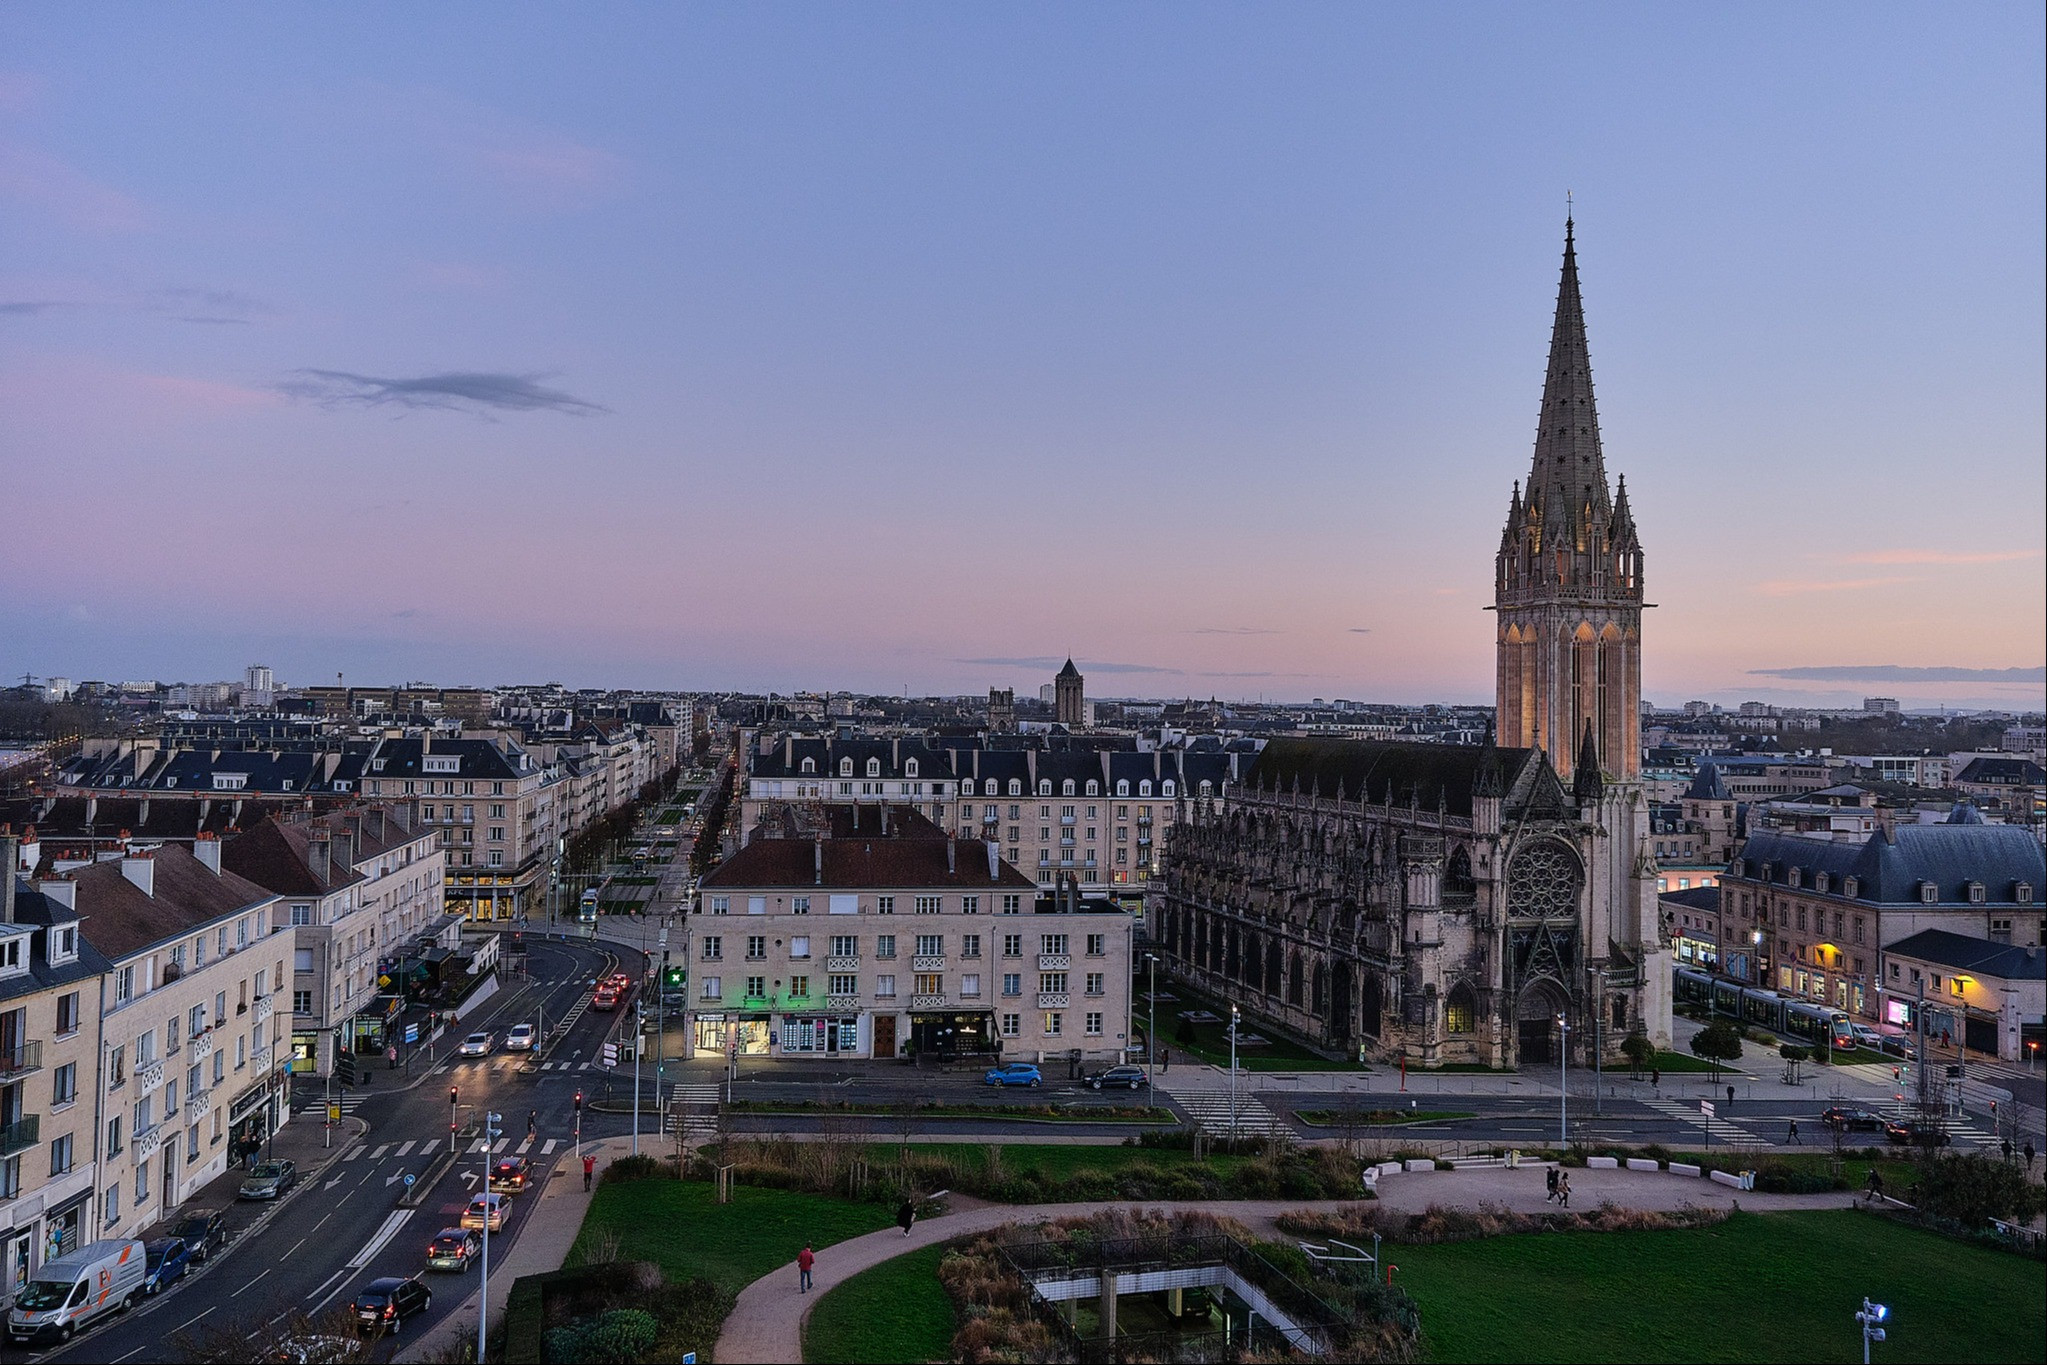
x: 876, y: 863
x: 1894, y: 870
x: 1980, y: 956
x: 1379, y: 772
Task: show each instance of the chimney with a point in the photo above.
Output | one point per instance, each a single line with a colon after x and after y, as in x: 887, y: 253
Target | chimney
x: 994, y: 861
x: 952, y: 859
x: 319, y: 857
x: 426, y: 743
x: 8, y: 862
x: 140, y: 868
x: 61, y: 890
x: 344, y: 846
x: 31, y: 849
x: 206, y: 848
x: 374, y: 818
x: 817, y: 851
x: 884, y: 819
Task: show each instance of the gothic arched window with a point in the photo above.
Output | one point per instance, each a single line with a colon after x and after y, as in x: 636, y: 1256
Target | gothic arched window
x: 1460, y: 1011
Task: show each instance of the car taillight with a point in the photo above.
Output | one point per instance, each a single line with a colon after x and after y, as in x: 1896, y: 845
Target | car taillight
x: 390, y: 1310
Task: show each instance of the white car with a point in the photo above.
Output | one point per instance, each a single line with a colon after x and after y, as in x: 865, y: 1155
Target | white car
x: 477, y: 1045
x: 520, y: 1039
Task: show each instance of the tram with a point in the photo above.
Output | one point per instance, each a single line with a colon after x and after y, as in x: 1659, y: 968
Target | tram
x: 1817, y: 1025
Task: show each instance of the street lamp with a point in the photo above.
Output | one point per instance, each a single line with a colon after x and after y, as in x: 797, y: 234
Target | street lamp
x: 1755, y: 957
x: 1151, y: 1032
x: 1234, y: 1017
x: 1563, y: 1090
x: 1871, y: 1317
x: 490, y: 1133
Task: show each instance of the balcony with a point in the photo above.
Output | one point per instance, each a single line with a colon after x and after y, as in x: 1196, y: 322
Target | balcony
x: 1065, y: 819
x: 1066, y: 841
x: 1054, y: 962
x: 148, y: 1078
x: 20, y: 1135
x: 928, y: 963
x: 202, y: 1046
x: 842, y: 964
x: 149, y: 1141
x: 990, y: 818
x: 1050, y: 1001
x: 927, y: 1002
x: 265, y: 1007
x: 21, y: 1060
x: 197, y: 1105
x: 842, y: 1002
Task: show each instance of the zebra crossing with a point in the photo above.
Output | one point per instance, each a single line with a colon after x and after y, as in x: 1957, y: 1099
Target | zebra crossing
x: 349, y: 1100
x: 693, y: 1112
x: 1723, y: 1131
x: 565, y: 1066
x: 1210, y: 1109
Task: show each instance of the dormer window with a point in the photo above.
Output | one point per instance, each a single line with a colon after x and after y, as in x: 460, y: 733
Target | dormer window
x: 1207, y: 789
x: 809, y: 765
x: 1094, y: 788
x: 909, y: 767
x: 874, y: 767
x: 967, y: 787
x: 1066, y: 787
x: 1166, y: 787
x: 845, y: 767
x: 1144, y: 786
x: 1794, y: 877
x: 1015, y: 787
x: 1122, y: 786
x: 64, y: 943
x: 1850, y: 887
x: 2022, y: 892
x: 13, y: 955
x: 1819, y: 882
x: 1928, y: 893
x: 1044, y: 786
x: 1975, y: 893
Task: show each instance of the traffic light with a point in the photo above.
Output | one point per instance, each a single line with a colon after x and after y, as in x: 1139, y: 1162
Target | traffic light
x: 1897, y: 1073
x: 344, y: 1068
x: 579, y: 1101
x: 453, y: 1096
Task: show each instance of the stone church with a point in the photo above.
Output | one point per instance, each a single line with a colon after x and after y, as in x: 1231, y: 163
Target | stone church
x: 1462, y: 904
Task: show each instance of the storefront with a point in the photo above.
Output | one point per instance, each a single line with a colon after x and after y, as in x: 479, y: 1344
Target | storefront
x: 258, y: 1112
x: 369, y: 1028
x: 742, y: 1035
x: 952, y: 1033
x: 305, y: 1051
x: 815, y: 1035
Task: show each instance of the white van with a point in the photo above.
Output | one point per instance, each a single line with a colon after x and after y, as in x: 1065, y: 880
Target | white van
x: 72, y: 1291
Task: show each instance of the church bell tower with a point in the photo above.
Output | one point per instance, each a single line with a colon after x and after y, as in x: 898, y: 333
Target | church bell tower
x: 1568, y: 589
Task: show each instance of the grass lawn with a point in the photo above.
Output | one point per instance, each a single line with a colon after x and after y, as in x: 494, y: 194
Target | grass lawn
x: 1776, y: 1286
x: 1056, y: 1159
x: 678, y: 1225
x: 896, y: 1311
x: 1212, y: 1043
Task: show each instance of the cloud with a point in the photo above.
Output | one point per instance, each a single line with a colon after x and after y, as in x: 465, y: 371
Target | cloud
x: 70, y: 194
x: 1940, y: 557
x: 1359, y: 630
x: 1233, y: 630
x: 1899, y: 673
x: 1048, y: 662
x: 406, y: 613
x: 27, y: 307
x: 476, y: 392
x: 1794, y: 587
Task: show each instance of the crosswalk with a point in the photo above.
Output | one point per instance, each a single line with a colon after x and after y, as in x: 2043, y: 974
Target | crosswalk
x: 693, y: 1111
x: 565, y: 1066
x: 349, y: 1100
x: 1210, y: 1109
x: 370, y: 1154
x: 1723, y: 1131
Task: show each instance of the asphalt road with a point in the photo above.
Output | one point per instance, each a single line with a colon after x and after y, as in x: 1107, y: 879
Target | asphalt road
x: 327, y: 1239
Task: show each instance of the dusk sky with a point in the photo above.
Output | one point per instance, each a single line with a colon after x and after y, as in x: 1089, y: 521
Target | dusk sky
x: 919, y: 346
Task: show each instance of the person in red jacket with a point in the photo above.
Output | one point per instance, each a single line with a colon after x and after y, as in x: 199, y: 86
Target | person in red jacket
x: 589, y: 1167
x: 805, y: 1259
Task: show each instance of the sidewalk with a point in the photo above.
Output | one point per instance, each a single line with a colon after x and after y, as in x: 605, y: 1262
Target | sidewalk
x: 766, y: 1324
x: 542, y: 1244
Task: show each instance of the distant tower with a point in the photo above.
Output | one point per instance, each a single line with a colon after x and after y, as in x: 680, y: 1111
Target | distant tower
x: 1569, y: 584
x: 1001, y: 711
x: 1072, y: 710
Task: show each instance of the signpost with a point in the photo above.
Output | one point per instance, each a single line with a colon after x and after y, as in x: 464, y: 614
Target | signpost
x: 1706, y: 1108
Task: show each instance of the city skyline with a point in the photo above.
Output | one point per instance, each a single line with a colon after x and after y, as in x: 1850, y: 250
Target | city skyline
x: 914, y: 349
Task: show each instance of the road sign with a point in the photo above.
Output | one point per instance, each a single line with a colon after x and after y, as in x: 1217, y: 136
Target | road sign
x: 610, y: 1054
x: 412, y: 1033
x: 1706, y: 1108
x: 409, y: 1178
x: 333, y: 1113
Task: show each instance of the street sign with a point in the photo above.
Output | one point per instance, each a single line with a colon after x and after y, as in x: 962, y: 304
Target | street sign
x: 333, y: 1113
x: 1706, y: 1108
x: 412, y: 1033
x: 409, y: 1178
x: 610, y: 1054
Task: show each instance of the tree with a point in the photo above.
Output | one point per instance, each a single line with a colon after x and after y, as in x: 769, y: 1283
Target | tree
x: 1639, y: 1051
x: 1717, y: 1043
x: 1975, y: 1188
x: 1793, y: 1055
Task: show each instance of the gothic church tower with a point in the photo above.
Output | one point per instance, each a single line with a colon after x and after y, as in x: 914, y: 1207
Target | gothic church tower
x: 1568, y: 588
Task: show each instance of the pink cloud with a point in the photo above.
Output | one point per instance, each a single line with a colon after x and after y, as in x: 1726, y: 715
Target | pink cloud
x: 1795, y: 587
x: 69, y: 193
x: 1908, y: 556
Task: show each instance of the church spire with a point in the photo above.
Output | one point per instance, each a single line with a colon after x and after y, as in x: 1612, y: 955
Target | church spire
x: 1568, y: 477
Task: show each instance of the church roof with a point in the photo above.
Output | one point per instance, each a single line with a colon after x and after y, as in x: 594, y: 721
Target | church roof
x: 1365, y: 770
x: 1708, y: 785
x: 1069, y: 671
x: 1569, y: 471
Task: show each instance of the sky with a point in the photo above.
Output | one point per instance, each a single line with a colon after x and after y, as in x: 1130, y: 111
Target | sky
x: 918, y: 346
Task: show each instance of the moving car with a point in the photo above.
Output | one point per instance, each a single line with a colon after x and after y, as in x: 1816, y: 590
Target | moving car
x: 1915, y: 1134
x: 269, y: 1179
x: 520, y: 1039
x: 453, y: 1249
x: 1852, y: 1120
x: 1898, y: 1046
x: 478, y: 1044
x: 384, y: 1304
x: 71, y: 1291
x: 509, y: 1175
x: 1016, y: 1073
x: 605, y: 998
x: 1117, y: 1078
x: 487, y: 1210
x: 202, y: 1232
x: 166, y: 1261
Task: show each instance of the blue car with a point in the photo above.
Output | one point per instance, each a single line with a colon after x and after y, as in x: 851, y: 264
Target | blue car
x: 166, y: 1260
x: 1016, y: 1073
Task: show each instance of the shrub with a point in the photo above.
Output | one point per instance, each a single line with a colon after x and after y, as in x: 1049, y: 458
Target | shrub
x: 620, y: 1336
x: 641, y: 1167
x: 1974, y: 1189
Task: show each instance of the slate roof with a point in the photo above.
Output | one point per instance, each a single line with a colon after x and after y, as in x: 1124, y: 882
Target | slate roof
x: 2003, y: 772
x: 1707, y: 785
x: 1693, y: 898
x: 480, y: 759
x: 31, y: 907
x: 1377, y: 771
x: 1978, y: 956
x: 276, y: 854
x: 118, y: 919
x: 866, y: 864
x: 1890, y: 870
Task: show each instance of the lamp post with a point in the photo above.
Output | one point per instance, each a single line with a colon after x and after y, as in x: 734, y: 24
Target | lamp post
x: 1563, y: 1090
x: 1234, y: 1017
x: 1871, y: 1317
x: 1151, y: 1032
x: 1598, y: 1009
x: 1755, y: 957
x: 490, y: 1133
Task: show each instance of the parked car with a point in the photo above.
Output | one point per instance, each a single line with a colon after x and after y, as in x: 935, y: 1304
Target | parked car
x: 202, y: 1232
x: 269, y: 1180
x: 1851, y: 1120
x: 165, y: 1261
x: 509, y: 1175
x: 1016, y: 1073
x: 487, y: 1210
x: 520, y: 1039
x: 1915, y: 1134
x: 1897, y: 1045
x: 1117, y: 1078
x: 1865, y: 1036
x: 453, y: 1249
x: 478, y: 1044
x: 71, y: 1291
x: 384, y: 1304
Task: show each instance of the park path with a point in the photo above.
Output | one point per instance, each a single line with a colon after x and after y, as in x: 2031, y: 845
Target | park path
x: 766, y: 1324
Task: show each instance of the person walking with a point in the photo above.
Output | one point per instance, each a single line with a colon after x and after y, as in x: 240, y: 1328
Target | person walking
x: 805, y: 1259
x: 2006, y: 1145
x: 391, y: 1055
x: 906, y: 1216
x: 1165, y: 1059
x: 1876, y: 1184
x: 532, y: 1122
x: 1655, y: 1077
x: 1564, y: 1190
x: 1553, y: 1182
x: 1730, y: 1097
x: 1794, y: 1133
x: 2028, y: 1151
x: 589, y: 1169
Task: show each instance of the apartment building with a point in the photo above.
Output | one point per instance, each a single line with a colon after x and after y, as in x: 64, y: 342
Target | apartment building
x: 879, y: 946
x: 192, y: 1055
x: 49, y: 1062
x: 494, y: 812
x: 357, y: 887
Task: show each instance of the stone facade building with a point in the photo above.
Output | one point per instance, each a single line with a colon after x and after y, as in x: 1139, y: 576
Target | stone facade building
x: 1069, y: 691
x: 1461, y: 904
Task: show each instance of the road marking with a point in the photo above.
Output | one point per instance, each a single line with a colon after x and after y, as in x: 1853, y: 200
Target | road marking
x: 547, y: 1147
x: 376, y: 1244
x: 353, y: 1152
x: 316, y: 1227
x: 332, y: 1183
x: 407, y: 1147
x: 301, y: 1242
x: 526, y: 1146
x: 378, y: 1155
x: 500, y: 1145
x: 189, y: 1321
x: 250, y: 1285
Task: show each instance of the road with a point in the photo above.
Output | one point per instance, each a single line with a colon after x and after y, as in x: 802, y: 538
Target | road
x: 326, y: 1240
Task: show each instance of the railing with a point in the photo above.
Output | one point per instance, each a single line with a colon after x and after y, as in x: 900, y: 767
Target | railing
x: 148, y: 1078
x: 927, y: 1002
x: 1065, y: 819
x: 842, y: 964
x: 149, y: 1141
x: 1049, y: 1001
x: 20, y: 1135
x: 928, y: 963
x: 1054, y: 962
x: 21, y: 1059
x: 202, y: 1046
x: 265, y: 1007
x: 197, y: 1104
x: 842, y: 1002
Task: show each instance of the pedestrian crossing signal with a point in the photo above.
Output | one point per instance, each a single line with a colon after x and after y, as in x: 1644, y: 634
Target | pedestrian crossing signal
x: 344, y: 1068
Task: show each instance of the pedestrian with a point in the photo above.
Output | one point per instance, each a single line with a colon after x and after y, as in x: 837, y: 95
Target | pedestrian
x: 1564, y: 1189
x: 589, y: 1169
x: 1876, y: 1184
x: 2028, y: 1150
x: 906, y: 1216
x: 1165, y: 1059
x: 1551, y: 1197
x: 532, y: 1121
x: 2006, y: 1144
x: 1730, y: 1097
x: 1655, y: 1077
x: 1794, y: 1133
x: 805, y: 1259
x: 391, y: 1056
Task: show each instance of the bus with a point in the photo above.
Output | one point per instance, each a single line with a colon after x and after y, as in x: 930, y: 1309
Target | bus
x: 586, y: 913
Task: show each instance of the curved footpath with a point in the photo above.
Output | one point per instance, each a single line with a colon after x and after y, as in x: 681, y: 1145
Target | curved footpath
x: 766, y: 1325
